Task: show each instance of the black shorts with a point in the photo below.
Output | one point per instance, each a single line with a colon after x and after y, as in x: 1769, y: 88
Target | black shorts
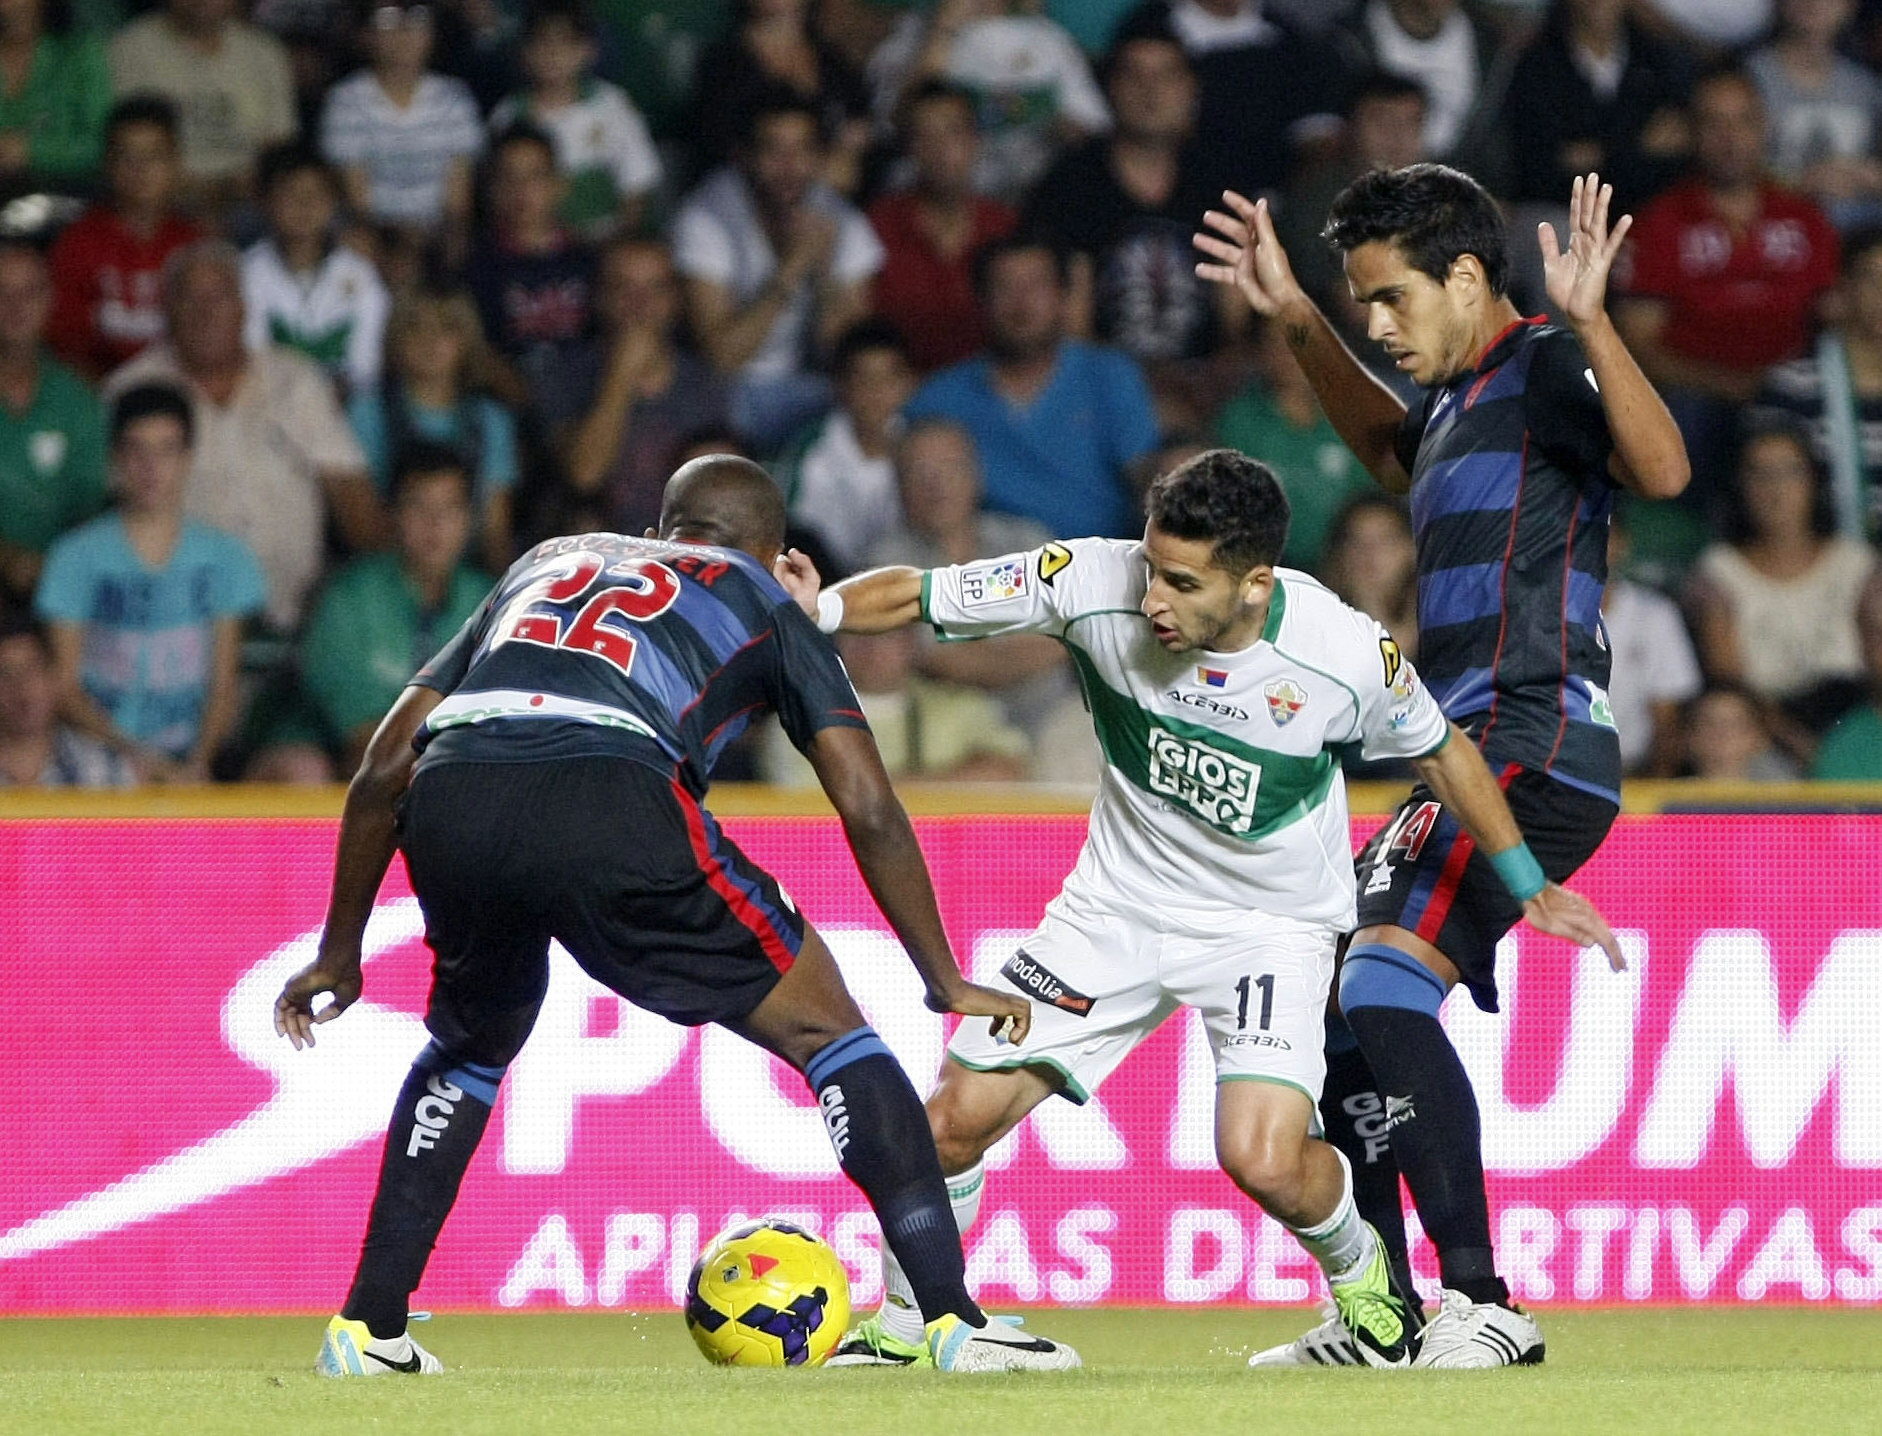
x: 609, y: 856
x: 1422, y: 872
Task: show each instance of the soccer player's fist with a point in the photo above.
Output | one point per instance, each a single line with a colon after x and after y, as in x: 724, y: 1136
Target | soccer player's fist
x: 794, y: 570
x: 1011, y: 1014
x: 294, y: 1014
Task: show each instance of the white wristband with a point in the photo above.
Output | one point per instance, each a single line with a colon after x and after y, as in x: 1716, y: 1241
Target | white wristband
x: 829, y: 610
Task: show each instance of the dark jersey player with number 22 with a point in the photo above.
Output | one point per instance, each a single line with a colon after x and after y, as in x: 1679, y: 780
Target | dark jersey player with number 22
x: 544, y: 776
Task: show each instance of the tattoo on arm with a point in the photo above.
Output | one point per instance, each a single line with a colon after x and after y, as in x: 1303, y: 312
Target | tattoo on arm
x: 1298, y: 335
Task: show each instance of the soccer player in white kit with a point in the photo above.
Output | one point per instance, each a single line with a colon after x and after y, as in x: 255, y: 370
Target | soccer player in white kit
x: 1217, y: 873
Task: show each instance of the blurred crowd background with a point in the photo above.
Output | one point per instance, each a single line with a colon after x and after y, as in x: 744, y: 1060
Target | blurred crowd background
x: 313, y: 317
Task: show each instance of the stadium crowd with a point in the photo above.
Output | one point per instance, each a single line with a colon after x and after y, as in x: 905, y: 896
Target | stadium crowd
x: 311, y: 319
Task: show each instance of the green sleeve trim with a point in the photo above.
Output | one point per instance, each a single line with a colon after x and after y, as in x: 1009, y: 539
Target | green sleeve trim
x: 1443, y: 743
x: 1073, y: 1091
x: 927, y: 611
x: 1065, y: 624
x: 1096, y: 612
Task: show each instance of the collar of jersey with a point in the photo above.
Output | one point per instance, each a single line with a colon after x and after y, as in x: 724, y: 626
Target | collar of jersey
x: 1515, y: 326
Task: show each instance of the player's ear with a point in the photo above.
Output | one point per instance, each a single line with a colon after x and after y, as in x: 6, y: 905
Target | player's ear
x: 1258, y: 584
x: 1467, y: 276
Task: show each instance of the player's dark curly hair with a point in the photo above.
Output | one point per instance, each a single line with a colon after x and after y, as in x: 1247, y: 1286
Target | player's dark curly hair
x: 1227, y: 498
x: 1432, y: 212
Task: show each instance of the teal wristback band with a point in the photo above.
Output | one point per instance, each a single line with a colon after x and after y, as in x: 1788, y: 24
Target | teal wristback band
x: 1520, y: 871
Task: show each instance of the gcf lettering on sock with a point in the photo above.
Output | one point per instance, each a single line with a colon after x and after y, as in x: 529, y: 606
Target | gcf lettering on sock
x: 432, y: 1114
x: 836, y: 1118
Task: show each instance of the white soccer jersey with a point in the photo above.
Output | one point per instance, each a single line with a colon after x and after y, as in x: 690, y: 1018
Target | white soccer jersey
x: 1222, y: 789
x: 336, y: 316
x: 601, y: 141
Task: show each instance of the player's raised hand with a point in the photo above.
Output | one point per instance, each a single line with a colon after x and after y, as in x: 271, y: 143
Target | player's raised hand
x: 1011, y: 1014
x: 799, y: 577
x: 1561, y: 913
x: 294, y: 1015
x: 1247, y: 255
x: 1576, y: 278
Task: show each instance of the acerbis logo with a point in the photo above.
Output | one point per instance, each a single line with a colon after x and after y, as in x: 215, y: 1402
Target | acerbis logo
x: 1258, y: 1039
x: 1212, y: 705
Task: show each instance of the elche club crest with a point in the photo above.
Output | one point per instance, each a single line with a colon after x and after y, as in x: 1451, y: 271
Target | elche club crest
x: 1285, y: 699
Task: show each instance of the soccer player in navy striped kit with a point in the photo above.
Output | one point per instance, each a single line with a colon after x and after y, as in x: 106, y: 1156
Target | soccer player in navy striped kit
x: 544, y: 775
x: 1526, y: 429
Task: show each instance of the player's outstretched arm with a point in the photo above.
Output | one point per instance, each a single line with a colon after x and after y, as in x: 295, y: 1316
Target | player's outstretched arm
x: 366, y: 843
x: 1649, y: 455
x: 883, y: 840
x: 872, y: 602
x: 1460, y: 779
x: 1247, y: 256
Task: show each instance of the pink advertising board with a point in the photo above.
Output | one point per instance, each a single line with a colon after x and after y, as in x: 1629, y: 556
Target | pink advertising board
x: 1704, y: 1128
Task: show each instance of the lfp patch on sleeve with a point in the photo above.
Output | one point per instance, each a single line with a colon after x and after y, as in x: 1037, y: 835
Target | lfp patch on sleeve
x: 985, y: 583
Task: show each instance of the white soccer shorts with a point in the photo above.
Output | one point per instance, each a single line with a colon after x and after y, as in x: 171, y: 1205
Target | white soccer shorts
x: 1102, y: 979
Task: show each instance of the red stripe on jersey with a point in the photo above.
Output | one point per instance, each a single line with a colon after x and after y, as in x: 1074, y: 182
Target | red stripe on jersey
x: 1508, y: 329
x: 730, y: 719
x: 1438, y: 908
x: 743, y: 908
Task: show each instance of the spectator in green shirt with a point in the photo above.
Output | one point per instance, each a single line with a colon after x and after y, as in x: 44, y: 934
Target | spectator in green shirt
x: 55, y: 90
x: 385, y: 615
x: 1278, y: 420
x: 1852, y: 752
x: 52, y: 437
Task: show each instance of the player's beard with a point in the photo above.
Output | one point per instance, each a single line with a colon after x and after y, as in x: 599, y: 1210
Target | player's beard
x: 1210, y: 629
x: 1458, y: 346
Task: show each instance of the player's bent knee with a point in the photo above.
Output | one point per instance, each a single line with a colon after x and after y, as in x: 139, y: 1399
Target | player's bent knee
x: 969, y: 1111
x: 464, y: 1071
x: 1376, y: 975
x: 1270, y: 1172
x: 961, y: 1137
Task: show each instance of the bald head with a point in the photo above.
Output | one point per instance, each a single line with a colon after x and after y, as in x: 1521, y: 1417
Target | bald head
x: 724, y: 500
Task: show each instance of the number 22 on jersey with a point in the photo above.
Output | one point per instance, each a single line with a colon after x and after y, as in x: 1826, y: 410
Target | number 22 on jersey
x: 642, y: 591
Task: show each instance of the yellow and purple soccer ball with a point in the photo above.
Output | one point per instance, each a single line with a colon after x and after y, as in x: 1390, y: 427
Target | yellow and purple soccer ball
x: 767, y: 1293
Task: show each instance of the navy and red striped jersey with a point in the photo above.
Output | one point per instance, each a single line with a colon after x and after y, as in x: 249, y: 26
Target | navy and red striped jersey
x: 1510, y: 498
x: 601, y: 644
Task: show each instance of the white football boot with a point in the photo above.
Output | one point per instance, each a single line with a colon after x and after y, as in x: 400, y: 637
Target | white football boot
x: 998, y: 1346
x: 350, y: 1349
x: 1328, y: 1344
x: 1469, y: 1335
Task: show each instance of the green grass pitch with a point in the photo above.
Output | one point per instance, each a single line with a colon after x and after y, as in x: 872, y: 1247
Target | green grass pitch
x: 1660, y: 1371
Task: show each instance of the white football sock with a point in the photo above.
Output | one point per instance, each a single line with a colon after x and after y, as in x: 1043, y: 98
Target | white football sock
x: 901, y: 1317
x: 1342, y: 1244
